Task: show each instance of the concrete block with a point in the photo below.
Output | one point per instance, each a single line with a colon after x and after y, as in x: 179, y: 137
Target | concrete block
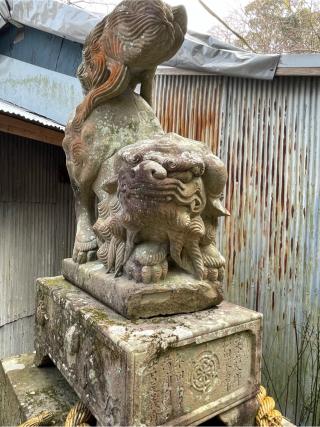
x: 26, y: 390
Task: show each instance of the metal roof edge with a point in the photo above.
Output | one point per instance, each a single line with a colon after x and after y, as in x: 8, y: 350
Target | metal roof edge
x: 299, y: 64
x: 21, y: 113
x: 168, y: 70
x: 302, y: 60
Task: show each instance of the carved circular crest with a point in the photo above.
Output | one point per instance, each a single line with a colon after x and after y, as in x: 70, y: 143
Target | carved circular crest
x: 204, y: 373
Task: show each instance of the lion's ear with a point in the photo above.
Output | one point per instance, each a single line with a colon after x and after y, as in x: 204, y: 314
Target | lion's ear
x: 217, y: 207
x: 111, y: 185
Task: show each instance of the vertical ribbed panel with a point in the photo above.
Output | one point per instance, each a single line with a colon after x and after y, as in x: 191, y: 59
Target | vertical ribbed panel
x: 36, y: 230
x: 189, y: 106
x: 17, y: 337
x: 268, y: 134
x: 272, y: 149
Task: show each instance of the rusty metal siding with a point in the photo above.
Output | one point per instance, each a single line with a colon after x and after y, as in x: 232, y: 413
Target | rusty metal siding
x: 271, y: 143
x: 268, y: 134
x: 271, y: 140
x: 190, y: 106
x: 36, y: 231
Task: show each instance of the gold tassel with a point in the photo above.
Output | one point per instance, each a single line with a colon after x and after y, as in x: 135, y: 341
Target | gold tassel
x: 267, y: 416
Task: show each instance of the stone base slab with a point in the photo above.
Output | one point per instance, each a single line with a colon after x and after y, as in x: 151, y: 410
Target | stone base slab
x: 178, y: 293
x: 26, y: 390
x: 176, y: 370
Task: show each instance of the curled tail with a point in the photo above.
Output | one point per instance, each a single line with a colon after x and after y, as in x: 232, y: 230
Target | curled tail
x: 101, y: 78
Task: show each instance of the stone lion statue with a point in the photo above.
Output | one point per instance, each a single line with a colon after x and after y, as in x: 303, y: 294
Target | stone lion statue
x: 163, y: 204
x: 158, y: 194
x: 123, y: 50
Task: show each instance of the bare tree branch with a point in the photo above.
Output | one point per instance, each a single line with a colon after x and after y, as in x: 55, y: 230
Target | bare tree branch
x: 226, y: 25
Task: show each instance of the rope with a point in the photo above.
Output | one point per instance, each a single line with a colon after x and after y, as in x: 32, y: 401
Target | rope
x: 41, y: 419
x: 78, y: 416
x: 267, y: 415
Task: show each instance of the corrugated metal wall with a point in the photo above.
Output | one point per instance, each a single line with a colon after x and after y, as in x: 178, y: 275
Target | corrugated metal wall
x: 36, y: 231
x: 268, y: 134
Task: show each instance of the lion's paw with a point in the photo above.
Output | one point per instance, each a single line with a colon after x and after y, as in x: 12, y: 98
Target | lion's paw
x: 147, y: 273
x: 148, y: 263
x: 214, y: 263
x: 85, y: 251
x: 213, y: 274
x: 81, y: 257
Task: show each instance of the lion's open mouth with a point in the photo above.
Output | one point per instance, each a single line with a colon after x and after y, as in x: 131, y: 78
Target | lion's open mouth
x: 192, y: 199
x: 150, y: 198
x: 154, y: 186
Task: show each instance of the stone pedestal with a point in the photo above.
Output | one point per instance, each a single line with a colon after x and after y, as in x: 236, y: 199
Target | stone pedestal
x: 26, y: 391
x: 175, y: 370
x: 179, y: 292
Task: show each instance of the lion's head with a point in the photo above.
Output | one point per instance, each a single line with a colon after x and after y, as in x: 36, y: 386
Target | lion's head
x: 142, y: 33
x: 128, y: 43
x: 165, y: 191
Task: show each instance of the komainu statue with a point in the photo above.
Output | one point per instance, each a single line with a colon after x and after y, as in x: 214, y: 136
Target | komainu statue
x: 158, y: 194
x: 164, y: 201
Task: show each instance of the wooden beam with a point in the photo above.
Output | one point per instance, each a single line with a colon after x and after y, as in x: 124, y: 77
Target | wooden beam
x: 21, y: 127
x: 298, y: 71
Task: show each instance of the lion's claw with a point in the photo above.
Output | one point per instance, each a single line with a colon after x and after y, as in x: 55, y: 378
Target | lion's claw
x: 81, y: 257
x: 147, y: 273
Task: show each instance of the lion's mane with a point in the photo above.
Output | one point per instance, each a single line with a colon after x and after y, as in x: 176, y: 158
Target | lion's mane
x: 147, y: 201
x: 135, y: 36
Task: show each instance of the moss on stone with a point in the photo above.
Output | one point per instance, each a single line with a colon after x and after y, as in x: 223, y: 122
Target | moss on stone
x: 99, y: 315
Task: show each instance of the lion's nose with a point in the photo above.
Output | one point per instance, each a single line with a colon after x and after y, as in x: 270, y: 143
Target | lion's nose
x: 148, y: 169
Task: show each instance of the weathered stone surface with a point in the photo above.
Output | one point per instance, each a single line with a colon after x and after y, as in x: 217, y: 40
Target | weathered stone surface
x: 26, y: 390
x: 176, y: 370
x: 159, y: 194
x: 178, y: 293
x: 123, y: 50
x: 163, y: 203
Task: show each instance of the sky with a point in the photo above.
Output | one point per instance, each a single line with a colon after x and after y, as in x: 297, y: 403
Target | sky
x: 198, y: 18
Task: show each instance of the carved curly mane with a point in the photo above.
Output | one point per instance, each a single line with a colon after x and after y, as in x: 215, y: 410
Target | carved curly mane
x: 165, y: 191
x: 135, y: 37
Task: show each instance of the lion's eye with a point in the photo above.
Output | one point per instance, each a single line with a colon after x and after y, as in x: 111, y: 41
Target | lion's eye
x: 197, y: 170
x: 136, y: 159
x: 170, y: 165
